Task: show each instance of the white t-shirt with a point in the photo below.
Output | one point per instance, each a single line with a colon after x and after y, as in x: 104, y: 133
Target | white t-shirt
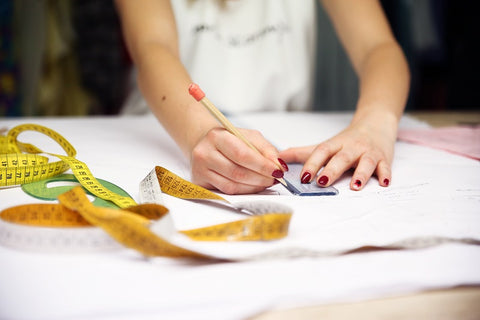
x: 248, y: 55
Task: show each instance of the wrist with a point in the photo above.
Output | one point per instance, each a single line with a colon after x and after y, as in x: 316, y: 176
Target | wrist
x: 196, y: 127
x: 383, y: 120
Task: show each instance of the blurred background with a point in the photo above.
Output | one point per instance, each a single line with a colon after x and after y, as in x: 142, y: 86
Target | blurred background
x: 67, y: 57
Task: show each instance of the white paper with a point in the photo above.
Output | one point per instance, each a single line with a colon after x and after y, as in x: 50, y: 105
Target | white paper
x: 432, y: 194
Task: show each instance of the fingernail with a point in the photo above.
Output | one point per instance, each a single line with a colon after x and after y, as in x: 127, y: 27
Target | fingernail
x: 306, y: 177
x: 386, y: 182
x: 283, y: 164
x: 277, y: 173
x: 358, y: 184
x: 275, y: 182
x: 323, y: 180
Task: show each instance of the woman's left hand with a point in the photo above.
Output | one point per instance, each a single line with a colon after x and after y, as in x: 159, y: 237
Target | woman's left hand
x: 366, y: 145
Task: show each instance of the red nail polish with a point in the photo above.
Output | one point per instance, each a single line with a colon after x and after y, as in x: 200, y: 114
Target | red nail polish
x: 306, y: 177
x: 283, y: 164
x: 277, y: 174
x: 323, y: 180
x: 358, y: 183
x: 386, y: 182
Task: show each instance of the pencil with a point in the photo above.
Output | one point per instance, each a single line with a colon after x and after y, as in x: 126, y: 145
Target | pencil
x: 199, y: 95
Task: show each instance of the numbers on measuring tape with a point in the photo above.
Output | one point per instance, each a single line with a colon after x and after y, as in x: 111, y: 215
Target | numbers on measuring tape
x: 19, y: 168
x: 131, y: 225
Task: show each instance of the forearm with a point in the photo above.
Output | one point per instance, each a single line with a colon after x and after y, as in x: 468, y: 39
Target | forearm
x: 150, y: 33
x: 384, y: 84
x: 164, y: 83
x: 376, y: 57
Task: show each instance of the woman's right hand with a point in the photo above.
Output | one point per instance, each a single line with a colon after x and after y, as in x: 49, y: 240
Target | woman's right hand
x: 222, y: 161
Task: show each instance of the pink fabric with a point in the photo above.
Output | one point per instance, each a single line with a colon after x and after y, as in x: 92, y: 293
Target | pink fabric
x: 464, y: 141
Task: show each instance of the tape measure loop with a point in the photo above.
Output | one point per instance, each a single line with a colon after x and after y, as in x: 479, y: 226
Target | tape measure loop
x: 127, y: 228
x: 12, y: 138
x: 15, y: 171
x: 132, y: 225
x: 18, y: 168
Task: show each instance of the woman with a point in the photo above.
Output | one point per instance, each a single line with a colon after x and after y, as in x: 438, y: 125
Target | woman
x: 265, y: 48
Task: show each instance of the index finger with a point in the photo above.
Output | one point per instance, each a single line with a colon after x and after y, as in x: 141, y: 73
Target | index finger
x: 238, y: 152
x: 267, y: 149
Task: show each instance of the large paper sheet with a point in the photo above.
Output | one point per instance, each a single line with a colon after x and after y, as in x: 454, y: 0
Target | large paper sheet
x: 432, y: 202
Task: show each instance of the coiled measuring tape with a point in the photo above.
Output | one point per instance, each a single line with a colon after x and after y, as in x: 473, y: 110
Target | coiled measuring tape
x: 72, y: 222
x: 20, y: 163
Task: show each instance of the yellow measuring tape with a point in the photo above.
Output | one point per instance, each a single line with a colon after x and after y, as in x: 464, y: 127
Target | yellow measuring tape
x: 18, y: 168
x: 132, y: 224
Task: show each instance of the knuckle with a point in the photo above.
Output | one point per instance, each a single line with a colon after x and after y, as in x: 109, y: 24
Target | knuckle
x: 239, y: 153
x: 369, y: 161
x: 211, y: 134
x: 361, y: 144
x: 214, y: 134
x: 324, y: 148
x: 237, y: 174
x: 229, y: 188
x: 198, y: 154
x: 344, y: 158
x: 256, y: 134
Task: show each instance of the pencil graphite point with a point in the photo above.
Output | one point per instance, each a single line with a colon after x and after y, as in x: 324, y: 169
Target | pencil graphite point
x: 283, y: 182
x: 196, y: 92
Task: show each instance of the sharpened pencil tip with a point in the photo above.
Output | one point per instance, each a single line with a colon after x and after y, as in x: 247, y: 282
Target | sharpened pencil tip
x: 283, y: 182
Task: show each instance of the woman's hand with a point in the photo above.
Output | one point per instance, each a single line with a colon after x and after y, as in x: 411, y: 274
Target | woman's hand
x: 366, y: 145
x: 224, y: 162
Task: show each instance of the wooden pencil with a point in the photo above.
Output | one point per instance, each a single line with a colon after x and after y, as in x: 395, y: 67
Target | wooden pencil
x: 199, y: 95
